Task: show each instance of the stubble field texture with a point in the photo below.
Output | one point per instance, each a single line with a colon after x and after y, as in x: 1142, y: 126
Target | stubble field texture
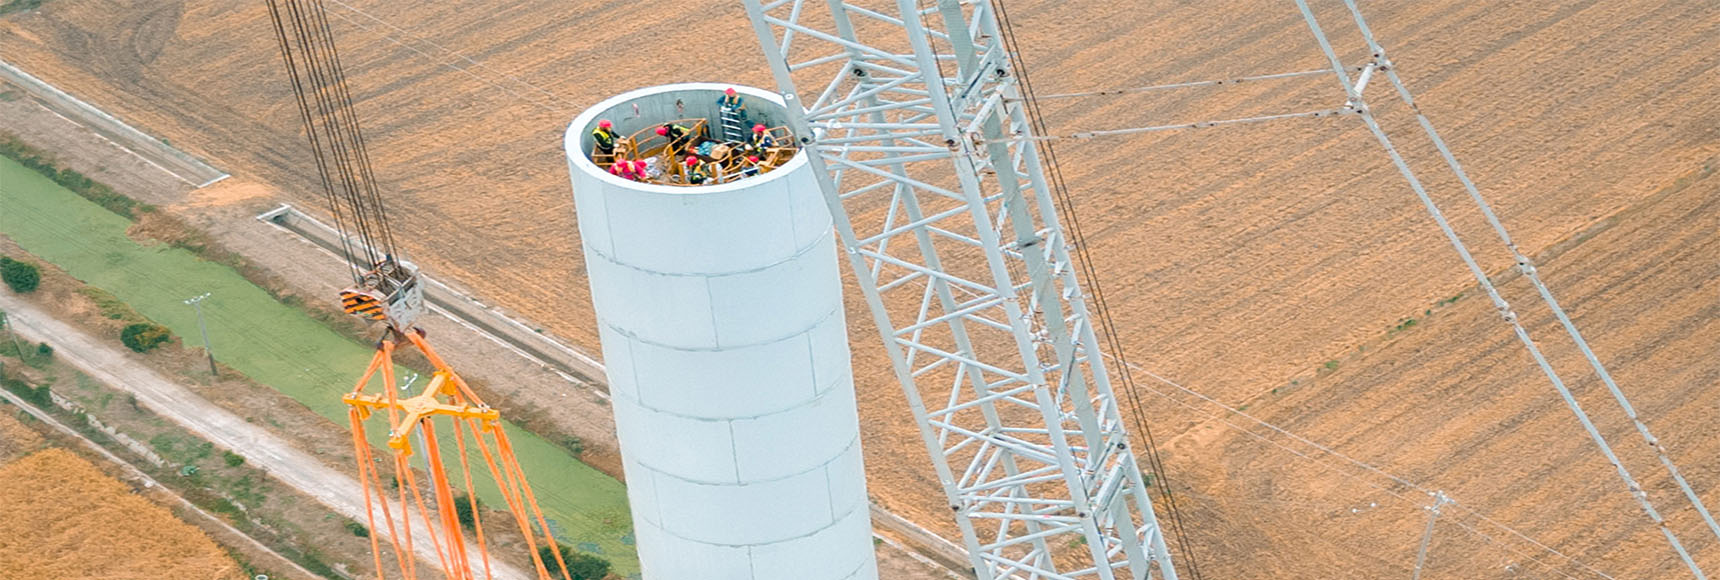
x: 1269, y: 267
x: 64, y: 518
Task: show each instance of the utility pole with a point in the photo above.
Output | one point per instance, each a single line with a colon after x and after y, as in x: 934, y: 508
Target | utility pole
x: 15, y: 346
x: 197, y: 302
x: 1439, y: 501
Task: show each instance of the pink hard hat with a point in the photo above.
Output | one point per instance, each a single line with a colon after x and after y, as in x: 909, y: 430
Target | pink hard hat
x: 729, y: 91
x: 758, y: 128
x: 752, y: 158
x: 691, y: 160
x: 605, y: 124
x: 664, y: 131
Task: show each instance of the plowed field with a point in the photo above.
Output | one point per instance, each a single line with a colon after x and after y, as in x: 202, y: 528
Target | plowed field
x: 1237, y: 259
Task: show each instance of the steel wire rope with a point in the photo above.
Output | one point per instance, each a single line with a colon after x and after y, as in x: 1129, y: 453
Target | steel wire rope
x: 367, y: 198
x: 1636, y: 490
x: 1527, y: 267
x: 356, y: 133
x: 1085, y: 263
x: 339, y: 149
x: 1093, y: 134
x: 1184, y: 85
x: 309, y: 122
x: 339, y: 122
x: 315, y: 78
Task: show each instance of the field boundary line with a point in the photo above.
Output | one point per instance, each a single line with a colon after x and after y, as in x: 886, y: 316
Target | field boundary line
x: 132, y: 472
x: 177, y: 163
x: 172, y: 401
x: 572, y: 364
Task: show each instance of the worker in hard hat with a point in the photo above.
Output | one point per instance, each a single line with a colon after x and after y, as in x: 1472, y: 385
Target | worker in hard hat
x: 625, y: 169
x: 713, y: 171
x: 732, y: 100
x: 678, y: 135
x: 695, y: 172
x: 733, y: 112
x: 748, y: 166
x: 603, y: 138
x: 761, y: 139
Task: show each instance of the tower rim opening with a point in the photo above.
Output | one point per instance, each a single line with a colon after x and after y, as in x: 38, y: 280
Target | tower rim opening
x: 645, y: 107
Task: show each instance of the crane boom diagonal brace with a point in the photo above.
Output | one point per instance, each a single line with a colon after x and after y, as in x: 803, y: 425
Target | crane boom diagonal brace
x: 925, y: 155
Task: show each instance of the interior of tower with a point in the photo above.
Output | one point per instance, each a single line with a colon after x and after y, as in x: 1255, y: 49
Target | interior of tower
x: 729, y: 138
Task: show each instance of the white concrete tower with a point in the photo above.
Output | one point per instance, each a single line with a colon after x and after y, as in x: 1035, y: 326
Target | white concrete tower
x: 720, y: 312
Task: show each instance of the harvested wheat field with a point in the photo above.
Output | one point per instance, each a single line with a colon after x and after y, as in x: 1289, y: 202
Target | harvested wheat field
x: 16, y: 439
x: 1272, y: 267
x: 62, y: 518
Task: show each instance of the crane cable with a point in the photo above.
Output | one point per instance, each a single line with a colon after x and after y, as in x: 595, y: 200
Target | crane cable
x: 331, y: 124
x: 1321, y: 448
x: 1636, y: 490
x: 1527, y: 267
x: 1084, y: 261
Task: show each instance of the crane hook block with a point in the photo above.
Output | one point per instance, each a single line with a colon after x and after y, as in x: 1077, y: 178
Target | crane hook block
x: 390, y: 293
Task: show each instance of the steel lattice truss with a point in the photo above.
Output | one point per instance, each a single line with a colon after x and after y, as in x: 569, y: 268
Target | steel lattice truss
x: 923, y: 151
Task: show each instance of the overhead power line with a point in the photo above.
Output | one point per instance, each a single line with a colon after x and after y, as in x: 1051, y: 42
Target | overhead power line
x: 1510, y: 316
x: 1209, y: 83
x: 1101, y: 312
x: 1326, y: 451
x: 1527, y: 267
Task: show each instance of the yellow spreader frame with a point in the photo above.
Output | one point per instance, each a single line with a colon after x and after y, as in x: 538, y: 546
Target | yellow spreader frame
x: 446, y: 397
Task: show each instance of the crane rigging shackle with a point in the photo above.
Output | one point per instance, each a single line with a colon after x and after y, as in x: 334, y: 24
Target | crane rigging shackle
x: 385, y: 287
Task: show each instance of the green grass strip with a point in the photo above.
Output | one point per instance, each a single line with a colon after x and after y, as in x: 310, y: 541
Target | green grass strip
x: 276, y: 345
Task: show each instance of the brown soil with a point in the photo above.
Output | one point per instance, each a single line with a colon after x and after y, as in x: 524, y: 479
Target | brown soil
x: 1273, y: 248
x: 67, y: 519
x: 1454, y: 404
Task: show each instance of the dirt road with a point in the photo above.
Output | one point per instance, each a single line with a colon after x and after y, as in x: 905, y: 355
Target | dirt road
x: 110, y: 365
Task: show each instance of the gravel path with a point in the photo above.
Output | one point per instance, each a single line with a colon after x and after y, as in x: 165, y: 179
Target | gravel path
x: 163, y: 397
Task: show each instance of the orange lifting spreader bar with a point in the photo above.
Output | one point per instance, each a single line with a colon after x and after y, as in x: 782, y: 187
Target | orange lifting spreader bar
x: 418, y: 408
x: 446, y: 397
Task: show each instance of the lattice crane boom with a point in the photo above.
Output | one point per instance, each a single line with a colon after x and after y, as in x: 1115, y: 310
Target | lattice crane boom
x: 941, y: 200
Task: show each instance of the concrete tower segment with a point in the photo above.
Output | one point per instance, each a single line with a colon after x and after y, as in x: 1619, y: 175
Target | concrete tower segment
x: 720, y: 312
